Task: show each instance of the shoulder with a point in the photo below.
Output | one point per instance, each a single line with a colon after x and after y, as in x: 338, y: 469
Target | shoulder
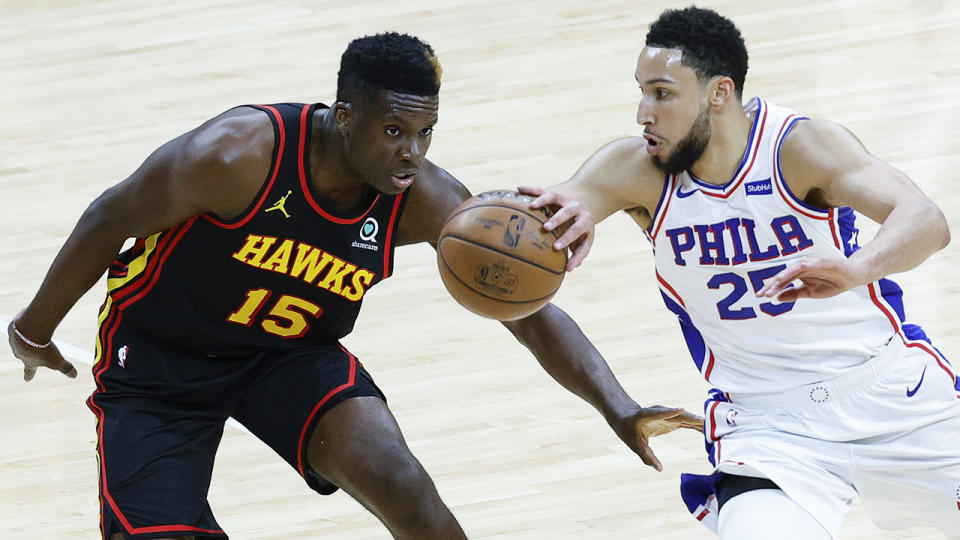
x: 433, y: 195
x: 620, y: 175
x: 816, y: 151
x: 222, y: 163
x: 629, y: 154
x: 235, y: 139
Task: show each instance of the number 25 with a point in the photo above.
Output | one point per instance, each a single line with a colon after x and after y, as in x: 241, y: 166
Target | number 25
x: 757, y: 277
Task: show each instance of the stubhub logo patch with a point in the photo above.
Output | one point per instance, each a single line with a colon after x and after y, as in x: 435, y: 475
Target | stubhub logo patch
x: 760, y: 187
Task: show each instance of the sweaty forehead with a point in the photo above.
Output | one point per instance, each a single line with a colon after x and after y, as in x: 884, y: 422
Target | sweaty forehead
x: 660, y: 63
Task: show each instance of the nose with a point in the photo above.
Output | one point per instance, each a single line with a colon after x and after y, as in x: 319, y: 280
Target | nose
x: 412, y: 150
x: 644, y: 113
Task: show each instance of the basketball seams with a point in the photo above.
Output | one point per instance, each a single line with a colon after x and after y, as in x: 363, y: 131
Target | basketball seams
x: 482, y: 231
x: 504, y: 253
x: 511, y: 208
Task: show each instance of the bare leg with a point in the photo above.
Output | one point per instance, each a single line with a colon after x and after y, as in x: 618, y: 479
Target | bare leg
x: 358, y: 446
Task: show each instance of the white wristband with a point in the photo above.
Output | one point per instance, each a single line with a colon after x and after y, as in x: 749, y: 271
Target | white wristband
x: 27, y: 340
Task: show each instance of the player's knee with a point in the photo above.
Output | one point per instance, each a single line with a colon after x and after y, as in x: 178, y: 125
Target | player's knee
x: 403, y: 474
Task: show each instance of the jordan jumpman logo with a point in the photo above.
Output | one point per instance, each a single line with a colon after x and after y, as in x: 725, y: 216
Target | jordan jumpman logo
x: 279, y: 205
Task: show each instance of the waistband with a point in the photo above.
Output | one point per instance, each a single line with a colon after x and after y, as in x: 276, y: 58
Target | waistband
x: 828, y: 391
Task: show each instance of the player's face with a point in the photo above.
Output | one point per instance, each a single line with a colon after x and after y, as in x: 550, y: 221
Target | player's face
x: 673, y: 110
x: 389, y: 138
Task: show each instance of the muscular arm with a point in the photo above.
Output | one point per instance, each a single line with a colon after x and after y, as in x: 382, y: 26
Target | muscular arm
x: 217, y: 168
x: 618, y: 176
x: 828, y: 166
x: 550, y: 334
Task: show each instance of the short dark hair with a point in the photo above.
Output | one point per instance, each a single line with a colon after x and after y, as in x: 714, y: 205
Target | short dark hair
x: 711, y: 43
x: 387, y: 62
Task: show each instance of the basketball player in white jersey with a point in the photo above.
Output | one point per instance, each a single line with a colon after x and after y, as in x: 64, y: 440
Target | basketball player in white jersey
x: 823, y: 392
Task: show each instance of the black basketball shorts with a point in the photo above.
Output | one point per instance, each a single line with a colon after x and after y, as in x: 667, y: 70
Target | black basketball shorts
x: 160, y: 416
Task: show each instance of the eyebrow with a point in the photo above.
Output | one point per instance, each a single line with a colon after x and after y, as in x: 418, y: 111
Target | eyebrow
x: 657, y: 80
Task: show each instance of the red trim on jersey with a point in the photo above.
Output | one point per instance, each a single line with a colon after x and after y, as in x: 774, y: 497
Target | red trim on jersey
x: 710, y: 361
x: 159, y: 267
x: 834, y: 224
x: 139, y: 280
x: 754, y: 149
x: 387, y: 246
x: 266, y: 190
x: 303, y: 178
x: 107, y: 331
x: 713, y: 426
x: 895, y: 321
x: 670, y: 185
x: 669, y: 288
x: 706, y: 511
x: 303, y: 432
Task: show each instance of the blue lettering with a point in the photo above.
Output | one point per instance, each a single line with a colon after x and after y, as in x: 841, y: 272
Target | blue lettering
x: 785, y: 236
x: 715, y: 245
x: 755, y: 254
x: 679, y: 248
x: 733, y: 225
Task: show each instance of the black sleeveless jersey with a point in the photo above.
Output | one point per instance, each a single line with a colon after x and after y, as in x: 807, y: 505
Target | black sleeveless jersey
x: 284, y: 273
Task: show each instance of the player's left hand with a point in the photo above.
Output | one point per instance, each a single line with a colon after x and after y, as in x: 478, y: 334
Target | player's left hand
x: 637, y: 429
x: 820, y: 278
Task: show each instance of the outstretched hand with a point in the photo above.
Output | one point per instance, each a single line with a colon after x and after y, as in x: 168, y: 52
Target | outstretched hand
x: 34, y: 357
x: 637, y: 429
x: 820, y: 278
x: 569, y: 213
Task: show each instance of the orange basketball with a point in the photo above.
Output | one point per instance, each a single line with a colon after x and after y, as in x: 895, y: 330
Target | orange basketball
x: 496, y: 259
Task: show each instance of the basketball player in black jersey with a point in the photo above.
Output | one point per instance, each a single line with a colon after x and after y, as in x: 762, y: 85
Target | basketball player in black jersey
x: 258, y: 234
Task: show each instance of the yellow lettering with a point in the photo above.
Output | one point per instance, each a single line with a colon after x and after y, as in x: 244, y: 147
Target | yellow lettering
x: 280, y: 260
x: 255, y: 249
x: 334, y: 278
x: 307, y: 259
x: 361, y: 280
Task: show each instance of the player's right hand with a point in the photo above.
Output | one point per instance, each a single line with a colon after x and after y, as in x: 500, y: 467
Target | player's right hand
x: 35, y: 357
x: 568, y: 213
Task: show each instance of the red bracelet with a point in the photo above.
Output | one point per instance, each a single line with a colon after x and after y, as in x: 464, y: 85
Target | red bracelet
x: 27, y: 340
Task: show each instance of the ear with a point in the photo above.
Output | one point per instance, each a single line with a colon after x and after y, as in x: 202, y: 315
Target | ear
x: 721, y: 91
x: 343, y: 116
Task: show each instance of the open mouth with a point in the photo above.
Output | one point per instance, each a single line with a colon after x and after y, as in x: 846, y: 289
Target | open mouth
x: 403, y: 179
x: 653, y: 143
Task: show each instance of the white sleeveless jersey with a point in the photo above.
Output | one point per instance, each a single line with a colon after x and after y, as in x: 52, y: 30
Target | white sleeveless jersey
x: 715, y: 246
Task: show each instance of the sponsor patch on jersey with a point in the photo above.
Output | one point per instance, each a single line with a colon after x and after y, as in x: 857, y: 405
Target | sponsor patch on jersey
x: 760, y: 187
x: 368, y: 233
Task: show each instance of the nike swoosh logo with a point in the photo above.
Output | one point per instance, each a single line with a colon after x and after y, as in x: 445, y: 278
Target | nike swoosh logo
x: 682, y: 195
x: 910, y: 392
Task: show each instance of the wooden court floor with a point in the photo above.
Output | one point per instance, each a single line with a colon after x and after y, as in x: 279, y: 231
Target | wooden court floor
x: 531, y: 88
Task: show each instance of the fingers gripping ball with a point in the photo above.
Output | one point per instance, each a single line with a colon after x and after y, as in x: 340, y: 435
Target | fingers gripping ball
x: 496, y: 259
